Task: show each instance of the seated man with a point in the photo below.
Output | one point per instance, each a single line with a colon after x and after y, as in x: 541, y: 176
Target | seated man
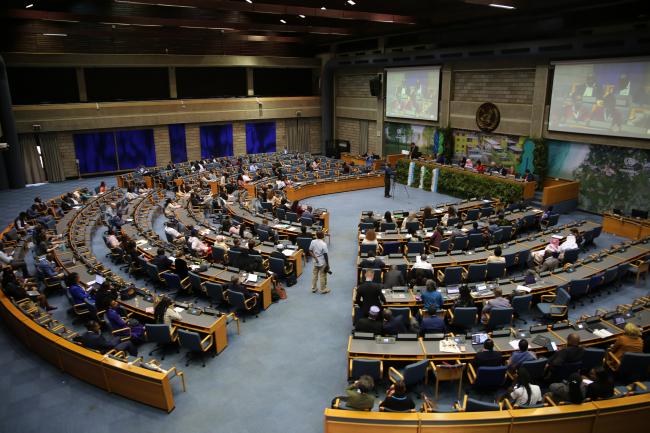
x: 520, y: 356
x: 93, y: 339
x: 394, y: 278
x: 174, y: 235
x: 372, y: 323
x: 431, y: 323
x: 161, y: 261
x: 47, y: 268
x: 236, y: 286
x: 278, y: 254
x: 496, y: 256
x: 488, y: 357
x: 393, y: 325
x: 572, y: 353
x: 498, y: 302
x: 369, y: 293
x: 371, y: 262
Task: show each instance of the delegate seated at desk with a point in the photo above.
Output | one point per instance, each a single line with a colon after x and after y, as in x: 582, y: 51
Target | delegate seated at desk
x: 431, y: 323
x: 93, y: 339
x: 572, y: 353
x: 394, y: 278
x: 488, y: 357
x: 393, y: 325
x: 371, y: 262
x: 372, y: 323
x: 497, y: 302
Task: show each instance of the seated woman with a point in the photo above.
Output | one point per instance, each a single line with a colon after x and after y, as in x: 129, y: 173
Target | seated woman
x: 17, y: 288
x: 524, y: 393
x: 370, y: 238
x: 164, y: 311
x: 127, y: 328
x: 630, y: 341
x: 397, y: 400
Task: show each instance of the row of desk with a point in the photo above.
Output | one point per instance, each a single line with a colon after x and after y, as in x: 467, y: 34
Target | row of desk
x: 633, y: 228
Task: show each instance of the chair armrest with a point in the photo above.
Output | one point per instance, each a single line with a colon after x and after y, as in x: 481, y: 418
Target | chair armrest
x: 640, y: 385
x: 433, y: 367
x: 612, y: 361
x: 441, y: 275
x: 336, y: 404
x: 471, y: 373
x: 560, y: 310
x: 207, y: 337
x: 393, y: 371
x: 508, y: 404
x: 547, y: 298
x: 250, y: 302
x: 460, y: 408
x: 549, y: 400
x: 450, y: 313
x: 185, y: 280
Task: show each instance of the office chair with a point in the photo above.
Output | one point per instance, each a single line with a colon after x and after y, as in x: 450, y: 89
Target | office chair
x: 164, y: 336
x: 196, y: 347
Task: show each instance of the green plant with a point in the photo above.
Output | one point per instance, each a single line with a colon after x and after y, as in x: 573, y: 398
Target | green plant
x: 417, y: 171
x: 541, y: 160
x: 402, y: 171
x: 428, y: 177
x: 448, y: 143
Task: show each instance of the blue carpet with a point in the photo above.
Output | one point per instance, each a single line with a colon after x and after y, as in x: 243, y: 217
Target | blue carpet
x: 277, y: 376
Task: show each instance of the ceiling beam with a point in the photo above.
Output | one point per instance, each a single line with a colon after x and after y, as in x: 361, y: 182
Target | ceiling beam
x: 269, y: 8
x: 31, y: 14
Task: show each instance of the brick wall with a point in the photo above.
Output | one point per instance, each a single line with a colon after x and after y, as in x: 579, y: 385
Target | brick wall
x: 315, y: 135
x: 161, y: 138
x: 348, y: 129
x: 374, y: 144
x: 67, y: 153
x: 509, y: 86
x: 354, y: 85
x: 192, y: 142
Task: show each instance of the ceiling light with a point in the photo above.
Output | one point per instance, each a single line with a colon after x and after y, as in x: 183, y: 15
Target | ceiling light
x: 498, y: 5
x: 351, y: 2
x: 55, y: 34
x: 301, y: 16
x: 323, y: 8
x: 31, y: 5
x: 283, y: 21
x: 175, y: 6
x: 249, y: 1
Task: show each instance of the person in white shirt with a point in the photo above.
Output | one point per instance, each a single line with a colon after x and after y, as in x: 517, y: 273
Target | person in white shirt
x: 171, y: 231
x: 523, y: 393
x: 252, y: 168
x: 318, y: 250
x: 164, y: 311
x: 422, y: 263
x: 280, y: 184
x: 111, y: 240
x: 130, y: 195
x: 198, y: 246
x: 220, y: 242
x: 569, y: 243
x: 245, y: 177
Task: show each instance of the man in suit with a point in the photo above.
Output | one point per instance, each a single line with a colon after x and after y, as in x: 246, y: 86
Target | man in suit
x: 431, y: 323
x: 161, y: 261
x: 371, y: 262
x: 572, y: 353
x: 394, y: 278
x: 388, y: 174
x: 393, y: 325
x: 371, y: 323
x: 93, y: 339
x: 497, y: 302
x: 369, y: 293
x: 488, y: 357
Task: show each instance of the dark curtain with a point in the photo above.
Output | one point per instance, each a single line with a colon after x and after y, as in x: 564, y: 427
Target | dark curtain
x: 216, y: 140
x: 95, y: 152
x: 260, y: 137
x: 135, y: 148
x: 177, y: 146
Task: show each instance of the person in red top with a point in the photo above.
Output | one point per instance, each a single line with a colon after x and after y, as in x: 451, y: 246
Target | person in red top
x: 479, y: 166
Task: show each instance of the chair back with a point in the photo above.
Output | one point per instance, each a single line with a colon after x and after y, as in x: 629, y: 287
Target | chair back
x: 195, y: 281
x: 511, y: 259
x: 304, y: 243
x: 473, y: 214
x: 263, y: 235
x: 152, y: 270
x: 292, y: 217
x: 495, y: 270
x: 218, y: 254
x: 536, y: 369
x: 234, y: 257
x: 158, y: 333
x: 366, y: 226
x: 565, y: 370
x: 366, y: 248
x: 487, y: 211
x: 388, y: 226
x: 465, y: 316
x: 474, y: 405
x: 459, y: 243
x: 500, y: 317
x: 592, y: 357
x: 416, y: 372
x: 521, y: 304
x: 370, y: 367
x: 190, y: 340
x: 412, y: 226
x: 415, y: 247
x: 277, y: 266
x: 392, y: 247
x: 491, y: 377
x: 579, y: 287
x: 506, y: 233
x: 237, y: 300
x: 634, y: 367
x: 403, y: 312
x: 553, y: 219
x: 431, y: 223
x: 475, y: 241
x: 306, y: 221
x: 562, y: 297
x: 281, y: 213
x: 214, y: 291
x: 476, y: 272
x: 570, y: 256
x: 453, y: 275
x: 172, y: 281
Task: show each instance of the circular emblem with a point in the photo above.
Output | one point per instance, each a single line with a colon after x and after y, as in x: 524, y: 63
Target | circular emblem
x: 487, y: 117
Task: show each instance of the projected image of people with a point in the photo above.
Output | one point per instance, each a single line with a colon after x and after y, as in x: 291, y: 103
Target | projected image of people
x: 602, y: 98
x: 413, y: 93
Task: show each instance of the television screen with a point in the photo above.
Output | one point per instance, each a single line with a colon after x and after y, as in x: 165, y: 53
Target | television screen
x: 601, y: 97
x: 412, y: 93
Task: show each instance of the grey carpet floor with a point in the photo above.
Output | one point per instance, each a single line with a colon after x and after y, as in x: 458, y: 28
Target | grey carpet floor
x: 277, y: 376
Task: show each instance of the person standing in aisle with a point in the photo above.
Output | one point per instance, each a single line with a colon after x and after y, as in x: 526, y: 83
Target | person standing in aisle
x: 318, y: 250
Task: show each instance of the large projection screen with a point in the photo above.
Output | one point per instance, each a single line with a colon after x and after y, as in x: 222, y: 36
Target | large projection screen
x: 413, y: 93
x: 602, y: 98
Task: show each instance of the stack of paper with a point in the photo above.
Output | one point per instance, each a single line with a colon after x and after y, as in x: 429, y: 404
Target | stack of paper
x: 449, y: 346
x: 602, y: 333
x: 523, y: 289
x: 252, y: 278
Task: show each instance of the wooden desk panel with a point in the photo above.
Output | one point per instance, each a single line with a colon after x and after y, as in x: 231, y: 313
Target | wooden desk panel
x: 454, y: 422
x: 345, y: 421
x: 627, y: 227
x: 569, y: 418
x: 623, y: 414
x: 335, y: 186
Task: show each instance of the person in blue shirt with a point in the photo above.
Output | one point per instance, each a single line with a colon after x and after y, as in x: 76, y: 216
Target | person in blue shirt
x: 431, y: 298
x: 431, y: 323
x: 131, y: 328
x: 47, y: 269
x: 393, y: 325
x: 79, y: 294
x: 520, y: 356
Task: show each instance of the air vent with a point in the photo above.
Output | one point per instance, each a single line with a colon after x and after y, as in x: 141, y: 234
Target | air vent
x: 515, y: 50
x: 345, y: 62
x: 425, y: 57
x: 361, y: 62
x: 604, y: 44
x: 402, y: 59
x: 481, y: 53
x: 451, y: 55
x: 380, y: 61
x: 548, y: 48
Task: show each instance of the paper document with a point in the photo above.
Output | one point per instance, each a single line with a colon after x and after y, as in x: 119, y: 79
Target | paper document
x: 99, y: 279
x: 523, y: 289
x: 179, y: 309
x: 449, y: 346
x: 287, y: 253
x: 252, y: 278
x: 602, y: 333
x: 514, y: 344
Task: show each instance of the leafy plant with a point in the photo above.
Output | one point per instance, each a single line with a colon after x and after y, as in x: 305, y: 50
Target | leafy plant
x: 428, y: 178
x: 541, y: 160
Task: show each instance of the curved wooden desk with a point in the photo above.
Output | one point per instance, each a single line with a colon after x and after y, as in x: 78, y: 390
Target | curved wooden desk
x: 333, y: 186
x: 633, y: 228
